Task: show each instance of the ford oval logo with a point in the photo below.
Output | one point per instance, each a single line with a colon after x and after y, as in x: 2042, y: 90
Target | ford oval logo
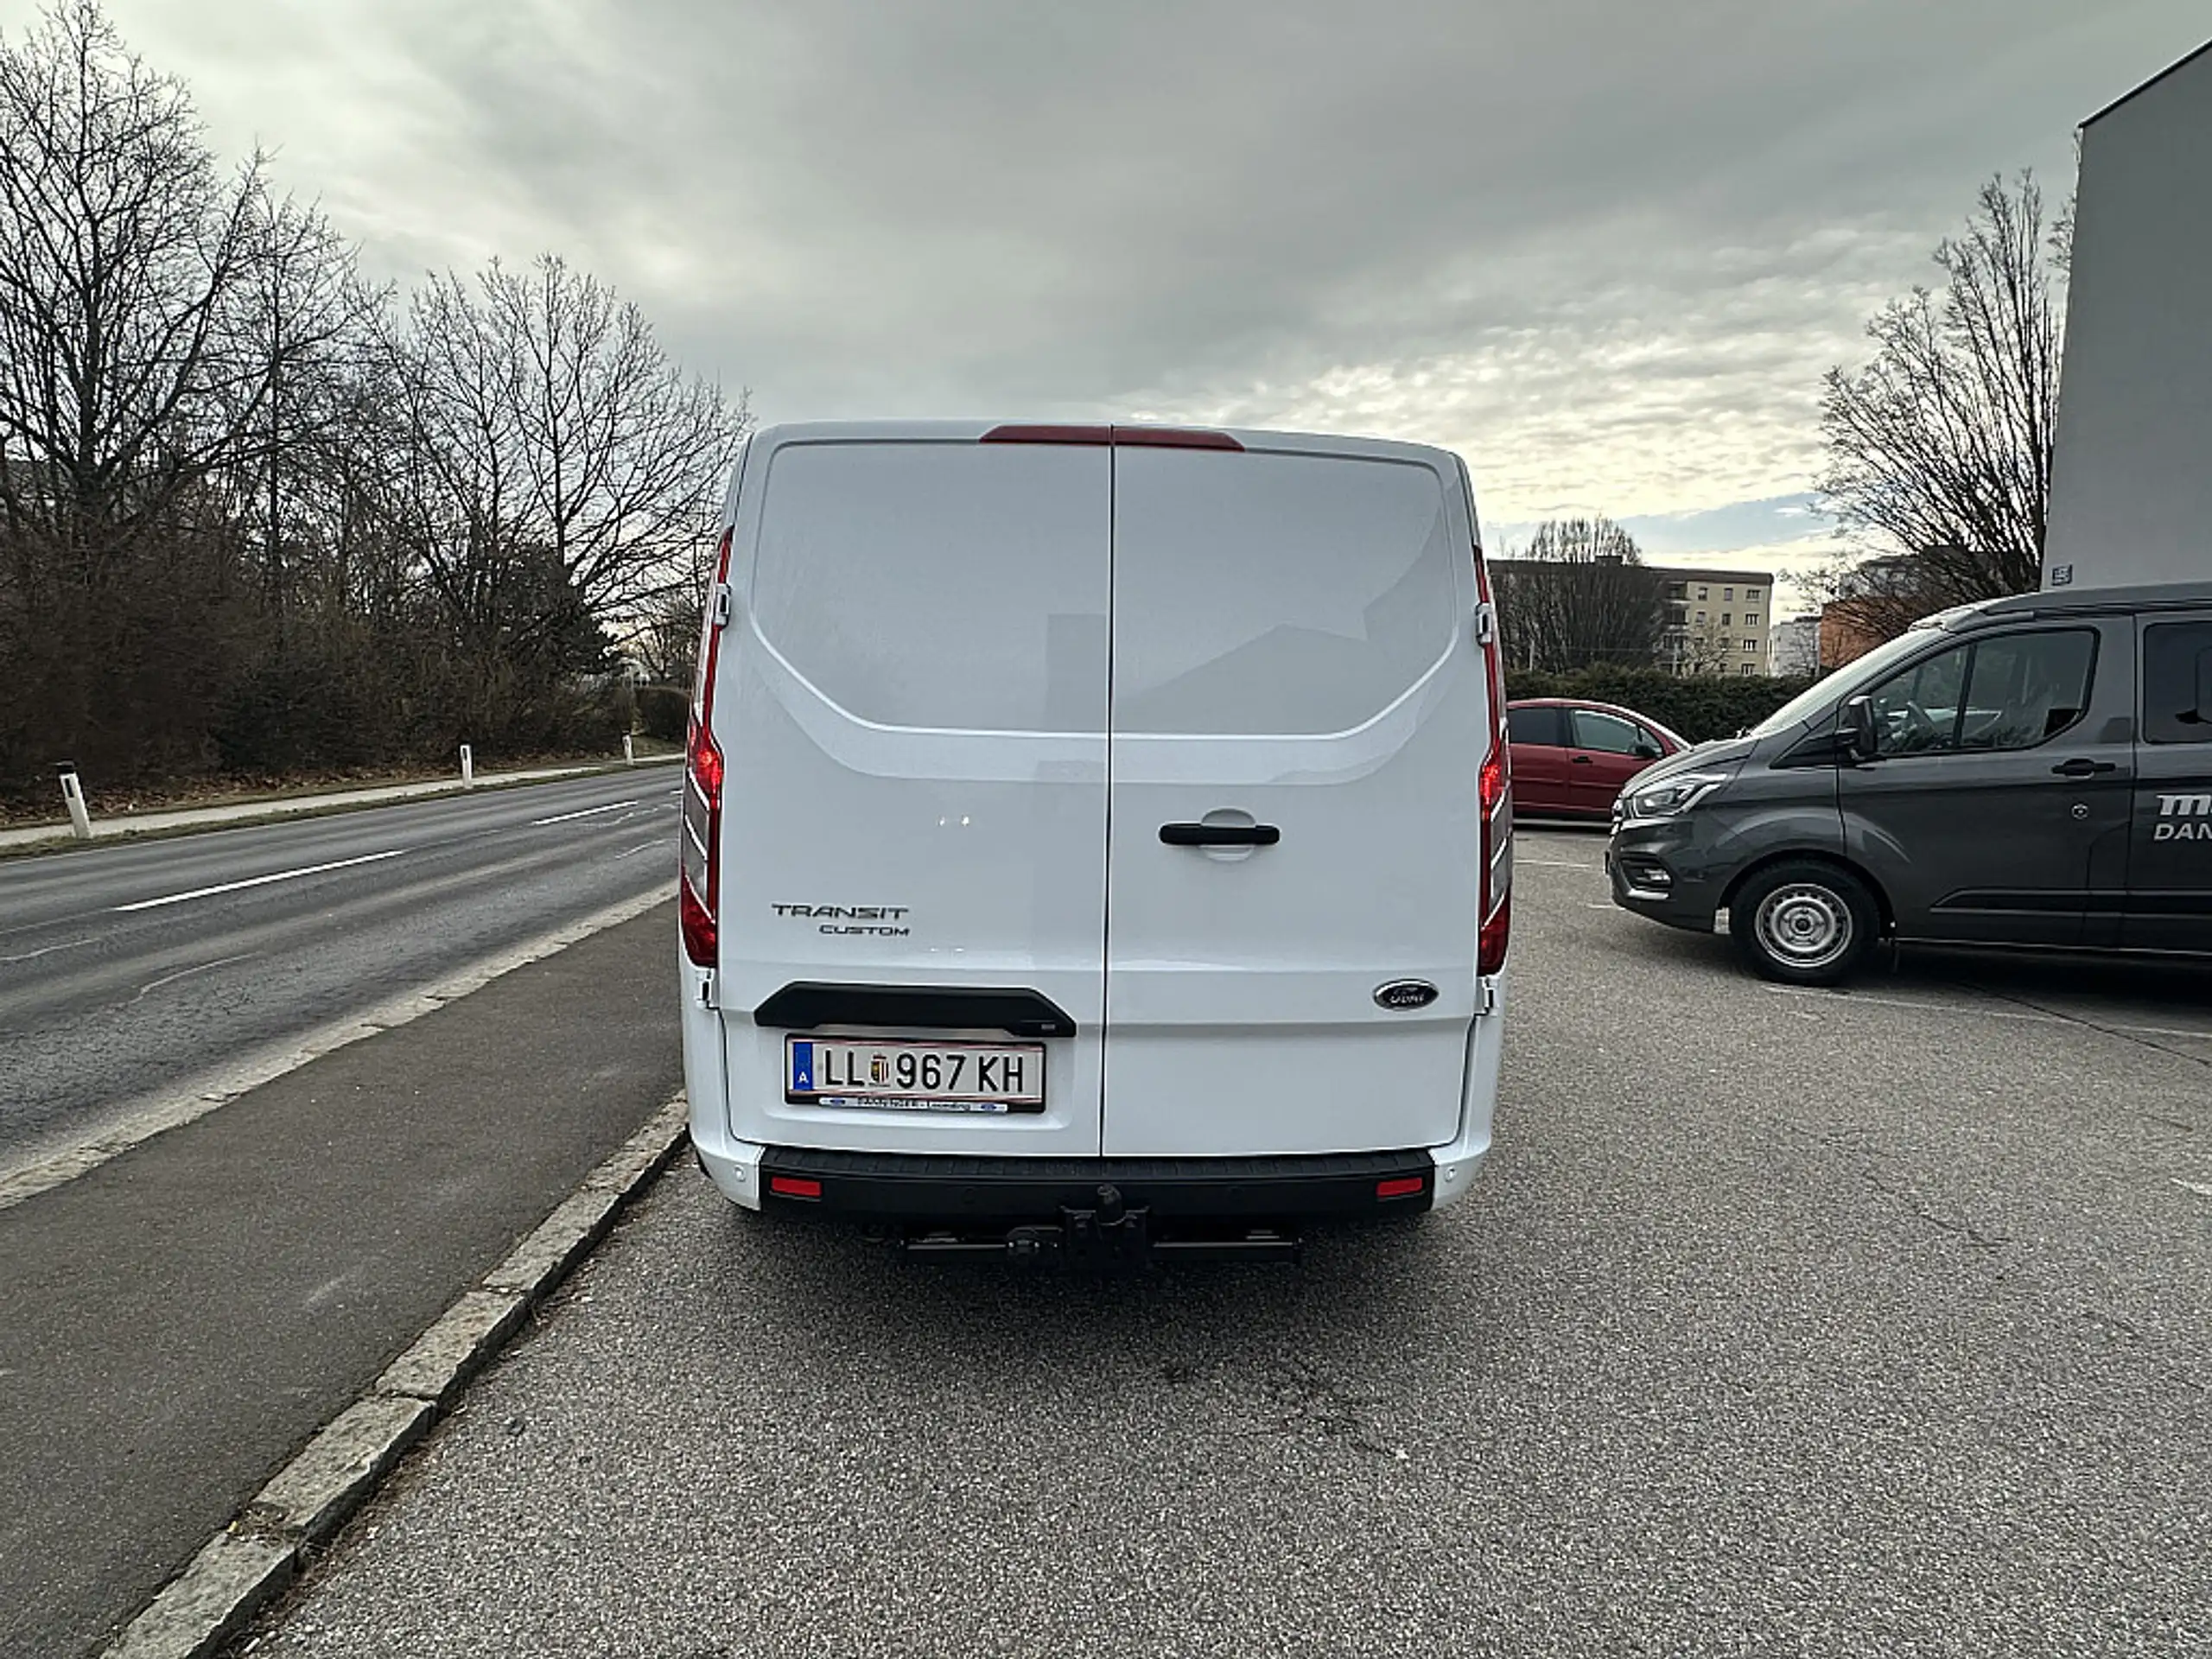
x: 1405, y: 994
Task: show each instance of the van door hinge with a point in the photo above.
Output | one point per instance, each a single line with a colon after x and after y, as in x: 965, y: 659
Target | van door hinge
x: 706, y: 988
x: 1485, y: 623
x: 721, y: 606
x: 1485, y: 995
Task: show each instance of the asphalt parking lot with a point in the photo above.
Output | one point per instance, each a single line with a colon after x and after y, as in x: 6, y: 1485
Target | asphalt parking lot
x: 1779, y: 1323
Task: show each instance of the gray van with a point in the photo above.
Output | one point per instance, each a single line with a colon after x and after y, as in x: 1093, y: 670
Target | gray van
x: 2034, y: 770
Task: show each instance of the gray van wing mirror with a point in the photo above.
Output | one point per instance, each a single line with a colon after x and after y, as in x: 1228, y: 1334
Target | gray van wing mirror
x: 1855, y: 727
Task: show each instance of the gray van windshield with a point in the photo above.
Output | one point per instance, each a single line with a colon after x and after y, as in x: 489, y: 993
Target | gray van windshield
x: 1825, y: 694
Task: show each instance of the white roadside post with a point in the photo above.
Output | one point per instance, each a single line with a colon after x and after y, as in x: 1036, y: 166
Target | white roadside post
x: 73, y: 795
x: 467, y: 767
x: 629, y: 751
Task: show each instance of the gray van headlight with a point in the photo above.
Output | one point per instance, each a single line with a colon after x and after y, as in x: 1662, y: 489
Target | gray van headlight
x: 1675, y: 796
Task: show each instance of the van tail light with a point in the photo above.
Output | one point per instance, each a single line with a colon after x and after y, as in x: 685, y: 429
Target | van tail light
x: 1497, y: 795
x: 698, y: 885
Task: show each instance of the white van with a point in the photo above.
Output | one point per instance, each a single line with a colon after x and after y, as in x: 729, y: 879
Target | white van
x: 1096, y: 840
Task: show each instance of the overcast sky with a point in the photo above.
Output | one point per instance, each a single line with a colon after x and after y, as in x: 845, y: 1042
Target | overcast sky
x: 1603, y: 248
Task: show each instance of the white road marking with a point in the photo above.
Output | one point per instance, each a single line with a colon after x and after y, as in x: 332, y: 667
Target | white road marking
x: 2202, y: 1189
x: 587, y: 812
x: 642, y: 847
x: 261, y: 880
x: 33, y: 955
x: 1555, y: 863
x: 2034, y: 1017
x: 187, y: 973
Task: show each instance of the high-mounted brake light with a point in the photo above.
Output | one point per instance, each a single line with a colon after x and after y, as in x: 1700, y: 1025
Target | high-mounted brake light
x: 1144, y: 437
x: 698, y: 885
x: 1049, y: 435
x: 1497, y: 795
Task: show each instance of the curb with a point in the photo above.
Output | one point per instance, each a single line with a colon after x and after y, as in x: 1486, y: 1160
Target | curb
x: 244, y: 1566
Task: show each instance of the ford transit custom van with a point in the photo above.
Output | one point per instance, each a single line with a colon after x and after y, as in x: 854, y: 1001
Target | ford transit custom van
x: 1096, y: 840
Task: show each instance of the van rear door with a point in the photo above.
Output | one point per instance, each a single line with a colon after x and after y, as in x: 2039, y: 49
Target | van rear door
x: 912, y: 707
x: 1299, y: 718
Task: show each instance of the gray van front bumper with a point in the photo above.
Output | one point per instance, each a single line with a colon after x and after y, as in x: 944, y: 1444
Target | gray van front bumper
x: 1658, y: 869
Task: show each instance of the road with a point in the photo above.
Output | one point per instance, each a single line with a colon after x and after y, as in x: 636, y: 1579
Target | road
x: 133, y: 972
x: 1780, y: 1322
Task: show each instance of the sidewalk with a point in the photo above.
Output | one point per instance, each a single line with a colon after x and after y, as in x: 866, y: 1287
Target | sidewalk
x: 175, y: 1324
x: 260, y: 811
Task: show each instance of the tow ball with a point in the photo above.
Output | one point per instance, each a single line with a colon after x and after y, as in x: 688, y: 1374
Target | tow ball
x: 1106, y: 1236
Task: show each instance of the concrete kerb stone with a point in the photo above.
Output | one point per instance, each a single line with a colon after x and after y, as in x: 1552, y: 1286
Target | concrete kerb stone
x: 211, y: 1600
x: 244, y: 1566
x: 455, y: 1349
x: 314, y: 1493
x: 566, y: 1235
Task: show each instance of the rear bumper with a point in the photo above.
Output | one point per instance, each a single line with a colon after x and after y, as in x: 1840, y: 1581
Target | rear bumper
x: 996, y: 1192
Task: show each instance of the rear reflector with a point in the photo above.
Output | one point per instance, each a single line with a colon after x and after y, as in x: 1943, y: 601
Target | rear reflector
x: 1150, y: 437
x: 1403, y: 1186
x: 794, y: 1186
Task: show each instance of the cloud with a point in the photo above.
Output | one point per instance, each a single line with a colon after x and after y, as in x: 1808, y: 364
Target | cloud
x: 1604, y: 248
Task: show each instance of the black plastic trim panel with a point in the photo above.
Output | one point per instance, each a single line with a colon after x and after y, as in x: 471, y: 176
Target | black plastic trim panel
x: 807, y: 1005
x: 940, y: 1187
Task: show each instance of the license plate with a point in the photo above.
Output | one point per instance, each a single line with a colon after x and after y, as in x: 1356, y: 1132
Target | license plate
x: 895, y: 1076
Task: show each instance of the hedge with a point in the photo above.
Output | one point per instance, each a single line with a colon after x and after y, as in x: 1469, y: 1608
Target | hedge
x: 1698, y: 706
x: 664, y: 711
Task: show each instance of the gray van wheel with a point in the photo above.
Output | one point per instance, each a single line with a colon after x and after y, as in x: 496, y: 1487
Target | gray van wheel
x: 1804, y: 924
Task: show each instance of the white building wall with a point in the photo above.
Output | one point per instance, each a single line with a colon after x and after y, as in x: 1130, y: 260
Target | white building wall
x: 1796, y: 648
x: 2131, y: 473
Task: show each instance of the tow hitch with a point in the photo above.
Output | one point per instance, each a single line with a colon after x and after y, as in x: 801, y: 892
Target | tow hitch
x: 1106, y: 1236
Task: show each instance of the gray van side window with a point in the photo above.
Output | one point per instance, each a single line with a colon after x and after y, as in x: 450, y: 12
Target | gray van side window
x: 2009, y: 692
x: 2177, y: 683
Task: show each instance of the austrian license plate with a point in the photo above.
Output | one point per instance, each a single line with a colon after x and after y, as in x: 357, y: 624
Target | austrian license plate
x: 896, y: 1076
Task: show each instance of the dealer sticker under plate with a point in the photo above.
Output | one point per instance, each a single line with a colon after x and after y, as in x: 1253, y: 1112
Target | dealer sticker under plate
x: 895, y: 1075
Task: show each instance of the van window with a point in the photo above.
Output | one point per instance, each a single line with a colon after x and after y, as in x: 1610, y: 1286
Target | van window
x: 2177, y: 683
x: 2009, y: 692
x: 1276, y: 594
x: 951, y: 587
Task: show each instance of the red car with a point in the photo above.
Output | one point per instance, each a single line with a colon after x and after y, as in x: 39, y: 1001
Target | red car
x: 1570, y: 759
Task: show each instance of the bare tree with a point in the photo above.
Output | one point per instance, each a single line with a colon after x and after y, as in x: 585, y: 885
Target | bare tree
x: 1580, y: 596
x: 252, y: 514
x: 547, y: 424
x: 1939, y: 449
x: 312, y: 328
x: 127, y: 266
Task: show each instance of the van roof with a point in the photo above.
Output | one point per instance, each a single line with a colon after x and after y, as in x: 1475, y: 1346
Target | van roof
x: 1147, y: 433
x: 2082, y: 601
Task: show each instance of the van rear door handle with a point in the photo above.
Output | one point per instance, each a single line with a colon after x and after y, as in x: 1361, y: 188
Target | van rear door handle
x: 2081, y: 767
x: 1220, y: 835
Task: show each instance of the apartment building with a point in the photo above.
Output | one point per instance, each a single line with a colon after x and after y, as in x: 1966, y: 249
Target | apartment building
x: 1718, y: 621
